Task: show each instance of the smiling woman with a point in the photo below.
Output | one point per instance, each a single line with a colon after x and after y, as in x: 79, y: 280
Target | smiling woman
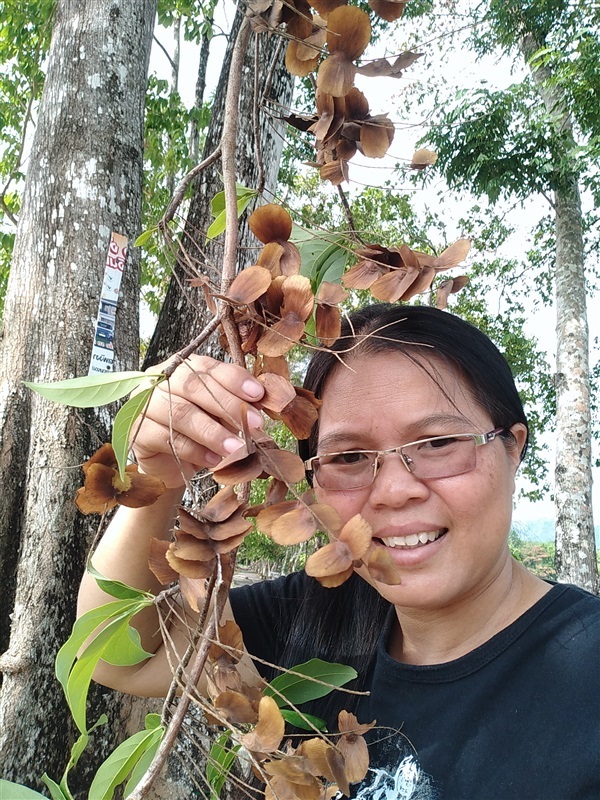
x: 476, y: 670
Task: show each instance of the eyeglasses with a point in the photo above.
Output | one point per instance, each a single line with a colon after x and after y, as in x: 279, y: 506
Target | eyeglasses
x: 437, y: 457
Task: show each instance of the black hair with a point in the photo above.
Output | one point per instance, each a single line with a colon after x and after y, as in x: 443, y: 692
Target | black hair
x: 345, y: 623
x: 423, y: 334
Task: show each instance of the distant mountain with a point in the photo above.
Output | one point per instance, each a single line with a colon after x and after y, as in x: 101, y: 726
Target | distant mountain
x: 542, y: 530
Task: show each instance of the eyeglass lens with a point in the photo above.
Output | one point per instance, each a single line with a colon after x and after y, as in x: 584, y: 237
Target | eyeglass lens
x: 441, y: 458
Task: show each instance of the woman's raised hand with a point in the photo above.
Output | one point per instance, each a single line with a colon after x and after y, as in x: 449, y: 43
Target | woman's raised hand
x: 193, y: 419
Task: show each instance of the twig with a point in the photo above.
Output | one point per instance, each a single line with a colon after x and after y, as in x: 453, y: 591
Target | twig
x: 185, y: 182
x: 165, y: 51
x: 186, y: 351
x: 228, y: 148
x: 257, y: 144
x: 185, y: 660
x: 348, y: 211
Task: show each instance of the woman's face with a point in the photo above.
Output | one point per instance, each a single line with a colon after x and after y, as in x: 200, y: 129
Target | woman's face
x: 383, y: 401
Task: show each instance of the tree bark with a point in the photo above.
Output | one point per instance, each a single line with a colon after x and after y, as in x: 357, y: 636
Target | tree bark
x: 84, y: 181
x: 184, y: 313
x: 575, y: 540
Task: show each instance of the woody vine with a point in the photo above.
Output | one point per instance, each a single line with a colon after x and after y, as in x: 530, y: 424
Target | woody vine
x: 260, y: 314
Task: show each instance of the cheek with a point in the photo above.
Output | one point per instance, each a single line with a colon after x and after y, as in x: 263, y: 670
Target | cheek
x: 347, y: 504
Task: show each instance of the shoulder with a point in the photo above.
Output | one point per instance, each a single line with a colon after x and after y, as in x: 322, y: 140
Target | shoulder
x: 571, y: 619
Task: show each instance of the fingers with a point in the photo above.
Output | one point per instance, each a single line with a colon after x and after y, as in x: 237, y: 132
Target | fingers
x: 196, y: 415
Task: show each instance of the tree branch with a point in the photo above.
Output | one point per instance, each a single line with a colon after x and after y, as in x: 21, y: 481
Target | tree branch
x: 257, y: 146
x: 228, y: 148
x: 349, y: 217
x: 165, y: 51
x: 185, y: 182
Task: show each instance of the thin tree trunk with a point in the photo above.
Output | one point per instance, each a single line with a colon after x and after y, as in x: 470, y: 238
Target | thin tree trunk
x: 84, y: 181
x: 200, y: 89
x: 575, y: 541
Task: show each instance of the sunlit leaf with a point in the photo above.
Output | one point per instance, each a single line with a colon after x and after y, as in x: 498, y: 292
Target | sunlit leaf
x: 123, y: 424
x: 15, y: 791
x: 56, y: 792
x: 80, y: 675
x: 116, y: 588
x: 144, y: 237
x: 141, y: 768
x: 83, y: 629
x: 121, y: 762
x: 91, y: 390
x: 244, y: 198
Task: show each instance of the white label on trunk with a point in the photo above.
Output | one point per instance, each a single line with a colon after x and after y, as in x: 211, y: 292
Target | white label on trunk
x: 103, y: 347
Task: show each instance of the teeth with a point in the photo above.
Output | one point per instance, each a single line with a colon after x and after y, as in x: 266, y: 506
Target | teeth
x: 413, y: 539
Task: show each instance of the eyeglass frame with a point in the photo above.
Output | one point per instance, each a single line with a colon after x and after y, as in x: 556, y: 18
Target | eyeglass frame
x: 479, y: 439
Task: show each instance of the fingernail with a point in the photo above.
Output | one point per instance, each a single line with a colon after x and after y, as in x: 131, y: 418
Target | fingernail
x: 232, y: 444
x: 252, y: 389
x: 255, y: 419
x: 212, y: 459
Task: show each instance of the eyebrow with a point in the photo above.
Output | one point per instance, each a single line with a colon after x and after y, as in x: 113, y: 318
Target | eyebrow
x: 341, y: 438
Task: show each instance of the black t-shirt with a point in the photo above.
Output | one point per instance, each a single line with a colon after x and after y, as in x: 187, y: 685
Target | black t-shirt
x: 516, y: 719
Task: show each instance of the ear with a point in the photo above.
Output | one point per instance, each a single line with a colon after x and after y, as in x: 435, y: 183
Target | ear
x: 519, y: 431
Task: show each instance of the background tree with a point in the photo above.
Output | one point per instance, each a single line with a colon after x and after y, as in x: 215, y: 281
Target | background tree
x: 540, y: 135
x: 83, y: 181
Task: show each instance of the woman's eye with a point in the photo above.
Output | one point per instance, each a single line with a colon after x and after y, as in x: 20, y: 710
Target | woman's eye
x: 439, y: 443
x: 345, y: 459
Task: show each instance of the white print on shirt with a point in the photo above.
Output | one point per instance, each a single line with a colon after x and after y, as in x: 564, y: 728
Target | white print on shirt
x: 408, y: 782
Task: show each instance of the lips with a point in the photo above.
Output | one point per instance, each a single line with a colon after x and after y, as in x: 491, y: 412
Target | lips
x: 413, y: 540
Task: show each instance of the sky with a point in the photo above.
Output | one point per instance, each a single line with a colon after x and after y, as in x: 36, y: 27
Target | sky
x: 387, y: 93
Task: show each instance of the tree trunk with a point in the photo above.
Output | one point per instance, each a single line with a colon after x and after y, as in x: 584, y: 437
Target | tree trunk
x: 575, y: 541
x: 184, y: 312
x: 84, y: 181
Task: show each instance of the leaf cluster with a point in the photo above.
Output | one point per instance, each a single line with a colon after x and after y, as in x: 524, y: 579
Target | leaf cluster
x: 498, y: 143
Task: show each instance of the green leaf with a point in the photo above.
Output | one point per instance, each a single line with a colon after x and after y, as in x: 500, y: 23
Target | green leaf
x: 144, y: 237
x: 81, y: 675
x: 219, y: 762
x: 331, y: 265
x: 244, y: 198
x: 56, y: 792
x: 118, y: 589
x: 75, y: 672
x: 91, y: 390
x: 121, y: 762
x: 302, y: 720
x: 15, y: 791
x: 324, y: 256
x: 123, y: 424
x: 125, y: 649
x: 152, y: 722
x: 140, y: 768
x: 82, y: 743
x: 295, y: 689
x: 82, y: 630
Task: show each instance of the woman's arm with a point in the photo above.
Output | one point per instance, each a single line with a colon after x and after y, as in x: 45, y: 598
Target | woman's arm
x: 198, y: 415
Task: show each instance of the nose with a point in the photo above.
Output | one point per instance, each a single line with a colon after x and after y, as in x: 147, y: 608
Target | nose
x: 394, y: 483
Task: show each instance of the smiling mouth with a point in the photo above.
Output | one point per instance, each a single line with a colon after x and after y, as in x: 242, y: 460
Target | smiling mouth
x: 413, y: 539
